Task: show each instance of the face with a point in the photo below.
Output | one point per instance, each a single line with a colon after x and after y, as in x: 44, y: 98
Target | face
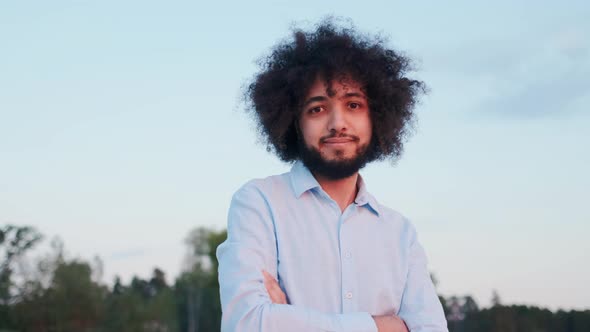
x: 335, y: 127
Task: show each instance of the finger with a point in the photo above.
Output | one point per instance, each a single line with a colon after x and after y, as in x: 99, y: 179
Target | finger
x: 275, y: 292
x: 273, y: 286
x: 270, y: 281
x: 275, y: 298
x: 267, y: 276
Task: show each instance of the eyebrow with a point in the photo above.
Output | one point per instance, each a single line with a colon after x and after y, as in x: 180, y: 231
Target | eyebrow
x: 354, y: 94
x: 314, y: 99
x: 323, y: 98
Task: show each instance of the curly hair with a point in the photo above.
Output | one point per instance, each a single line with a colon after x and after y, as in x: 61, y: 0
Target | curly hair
x: 276, y: 94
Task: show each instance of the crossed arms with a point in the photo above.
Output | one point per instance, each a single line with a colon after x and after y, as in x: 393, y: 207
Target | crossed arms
x: 384, y: 323
x: 249, y: 306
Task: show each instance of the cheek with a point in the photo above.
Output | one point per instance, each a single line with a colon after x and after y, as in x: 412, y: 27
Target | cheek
x: 366, y: 127
x: 310, y: 131
x: 310, y: 139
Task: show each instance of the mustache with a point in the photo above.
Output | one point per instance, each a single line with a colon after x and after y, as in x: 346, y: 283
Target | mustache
x: 339, y: 135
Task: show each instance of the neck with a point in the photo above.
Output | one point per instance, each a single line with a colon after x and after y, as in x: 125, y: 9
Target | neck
x: 343, y: 191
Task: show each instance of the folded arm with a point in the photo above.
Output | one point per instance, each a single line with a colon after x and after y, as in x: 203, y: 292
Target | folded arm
x: 385, y: 323
x: 251, y: 248
x: 420, y: 308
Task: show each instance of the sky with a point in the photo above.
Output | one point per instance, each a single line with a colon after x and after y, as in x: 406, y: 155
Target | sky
x: 122, y: 128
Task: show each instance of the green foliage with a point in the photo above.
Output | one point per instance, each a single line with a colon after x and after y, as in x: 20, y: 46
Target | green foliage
x: 144, y: 305
x: 65, y: 295
x: 74, y: 302
x: 197, y: 288
x: 14, y: 242
x: 515, y: 318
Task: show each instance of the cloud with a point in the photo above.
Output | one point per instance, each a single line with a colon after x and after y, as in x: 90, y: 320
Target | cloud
x: 572, y: 43
x: 540, y: 97
x: 548, y: 83
x: 525, y: 77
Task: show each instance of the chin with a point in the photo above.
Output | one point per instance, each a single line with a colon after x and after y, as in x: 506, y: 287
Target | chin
x: 335, y: 157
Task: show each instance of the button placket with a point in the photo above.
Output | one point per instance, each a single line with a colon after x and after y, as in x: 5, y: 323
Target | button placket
x: 347, y: 263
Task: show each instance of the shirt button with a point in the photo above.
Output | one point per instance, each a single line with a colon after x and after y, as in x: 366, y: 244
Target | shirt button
x: 348, y: 255
x: 348, y: 295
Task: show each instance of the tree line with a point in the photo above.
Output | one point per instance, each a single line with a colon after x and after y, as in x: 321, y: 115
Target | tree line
x: 59, y: 293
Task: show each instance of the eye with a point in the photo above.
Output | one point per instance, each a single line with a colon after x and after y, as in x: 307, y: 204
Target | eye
x: 354, y: 106
x: 315, y: 110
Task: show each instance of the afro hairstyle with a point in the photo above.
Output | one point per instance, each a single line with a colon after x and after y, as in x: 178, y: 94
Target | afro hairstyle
x: 276, y: 94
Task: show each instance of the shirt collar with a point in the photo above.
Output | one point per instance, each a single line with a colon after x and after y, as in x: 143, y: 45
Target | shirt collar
x: 364, y: 198
x: 302, y: 180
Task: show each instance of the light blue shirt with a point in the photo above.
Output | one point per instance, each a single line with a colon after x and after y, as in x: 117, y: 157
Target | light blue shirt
x: 336, y: 268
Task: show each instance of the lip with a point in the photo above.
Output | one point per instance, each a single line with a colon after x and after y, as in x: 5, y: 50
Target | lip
x: 338, y: 140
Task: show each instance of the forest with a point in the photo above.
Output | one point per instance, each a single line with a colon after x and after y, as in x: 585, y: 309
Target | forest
x: 60, y: 293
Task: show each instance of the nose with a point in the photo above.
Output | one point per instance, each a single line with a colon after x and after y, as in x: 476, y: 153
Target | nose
x: 337, y: 121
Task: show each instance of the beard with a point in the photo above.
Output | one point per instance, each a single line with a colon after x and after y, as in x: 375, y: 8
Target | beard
x: 335, y: 169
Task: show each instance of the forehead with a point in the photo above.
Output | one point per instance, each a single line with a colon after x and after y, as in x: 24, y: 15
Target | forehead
x: 337, y: 86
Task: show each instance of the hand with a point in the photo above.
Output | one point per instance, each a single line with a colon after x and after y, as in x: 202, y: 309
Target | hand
x: 390, y: 323
x: 277, y: 296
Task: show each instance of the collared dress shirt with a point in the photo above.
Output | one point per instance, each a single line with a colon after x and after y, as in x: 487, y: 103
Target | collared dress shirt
x: 336, y: 268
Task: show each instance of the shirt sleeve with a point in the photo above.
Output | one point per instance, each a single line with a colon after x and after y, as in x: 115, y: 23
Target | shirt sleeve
x: 420, y: 308
x: 251, y: 247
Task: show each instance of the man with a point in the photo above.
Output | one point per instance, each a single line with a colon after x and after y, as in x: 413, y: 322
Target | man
x: 312, y: 250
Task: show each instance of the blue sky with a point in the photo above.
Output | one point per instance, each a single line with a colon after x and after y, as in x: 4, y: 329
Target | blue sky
x: 121, y: 128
